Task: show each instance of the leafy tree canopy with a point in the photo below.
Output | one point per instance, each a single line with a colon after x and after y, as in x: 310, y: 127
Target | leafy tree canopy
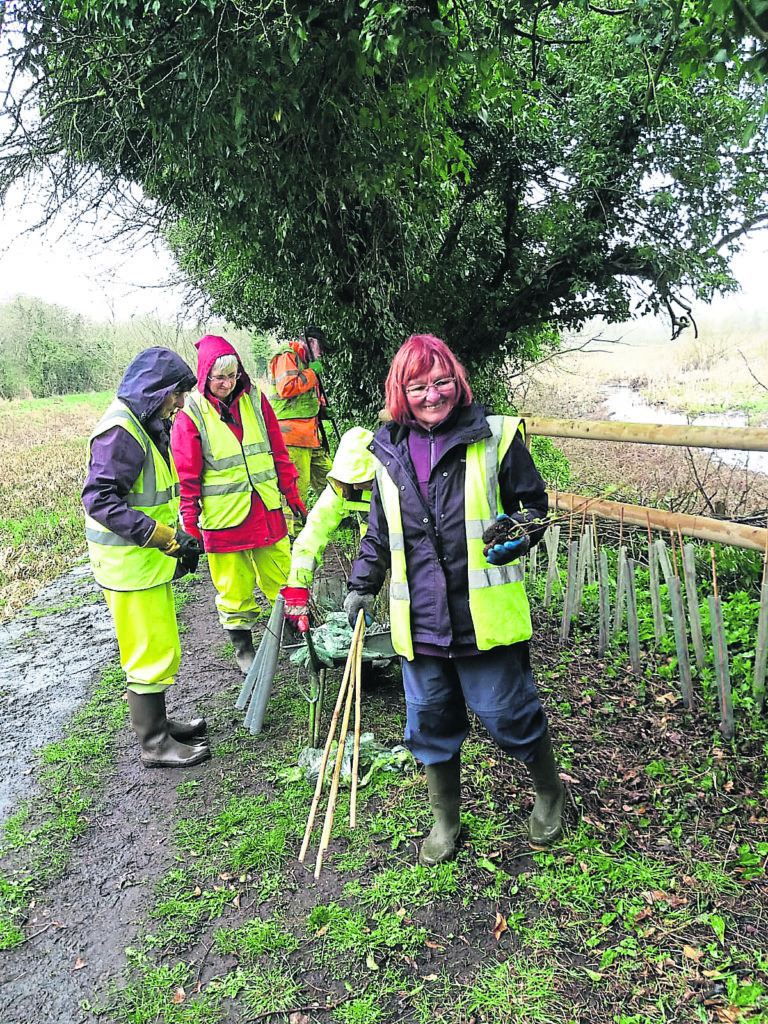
x: 487, y: 172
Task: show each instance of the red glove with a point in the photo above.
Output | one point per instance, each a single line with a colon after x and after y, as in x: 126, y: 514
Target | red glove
x: 296, y: 601
x: 297, y: 506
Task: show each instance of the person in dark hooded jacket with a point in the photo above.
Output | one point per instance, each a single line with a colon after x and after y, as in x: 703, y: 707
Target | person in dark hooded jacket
x: 448, y: 471
x: 136, y: 546
x: 233, y: 466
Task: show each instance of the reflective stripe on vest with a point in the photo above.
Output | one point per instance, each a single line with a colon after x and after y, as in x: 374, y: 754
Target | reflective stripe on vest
x: 118, y: 563
x: 497, y: 600
x: 232, y: 470
x: 305, y: 406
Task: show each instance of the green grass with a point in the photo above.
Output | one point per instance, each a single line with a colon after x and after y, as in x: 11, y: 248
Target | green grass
x: 38, y: 838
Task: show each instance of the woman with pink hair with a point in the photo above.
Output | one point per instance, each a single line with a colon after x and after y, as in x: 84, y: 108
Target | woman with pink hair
x: 447, y: 471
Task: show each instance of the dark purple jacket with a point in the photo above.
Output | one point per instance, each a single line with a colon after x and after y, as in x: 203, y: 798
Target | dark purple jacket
x: 434, y: 530
x: 117, y: 458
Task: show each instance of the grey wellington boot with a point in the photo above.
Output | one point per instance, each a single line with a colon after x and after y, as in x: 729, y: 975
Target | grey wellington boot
x: 444, y: 784
x: 546, y: 822
x: 158, y: 747
x: 242, y: 641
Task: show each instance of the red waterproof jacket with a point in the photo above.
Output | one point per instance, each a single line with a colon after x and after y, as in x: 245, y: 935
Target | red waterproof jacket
x: 262, y: 527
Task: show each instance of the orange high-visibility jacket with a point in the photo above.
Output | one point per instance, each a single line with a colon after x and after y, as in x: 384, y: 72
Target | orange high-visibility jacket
x: 294, y: 394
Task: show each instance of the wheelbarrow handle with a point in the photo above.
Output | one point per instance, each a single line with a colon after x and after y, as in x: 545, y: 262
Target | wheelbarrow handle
x: 306, y: 632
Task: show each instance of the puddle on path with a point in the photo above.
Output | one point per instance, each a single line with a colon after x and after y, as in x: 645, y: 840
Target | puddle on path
x: 627, y: 405
x: 48, y: 654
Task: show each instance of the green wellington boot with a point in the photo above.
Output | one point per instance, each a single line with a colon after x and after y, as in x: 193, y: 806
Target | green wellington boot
x: 242, y: 641
x: 546, y: 822
x: 159, y: 749
x: 444, y: 784
x: 185, y: 732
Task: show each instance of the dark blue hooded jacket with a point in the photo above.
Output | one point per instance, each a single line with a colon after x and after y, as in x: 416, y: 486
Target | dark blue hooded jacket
x: 434, y: 530
x: 117, y: 457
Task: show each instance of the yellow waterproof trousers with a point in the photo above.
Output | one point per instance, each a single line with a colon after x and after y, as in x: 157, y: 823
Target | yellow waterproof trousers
x: 236, y: 574
x: 148, y: 636
x: 313, y: 466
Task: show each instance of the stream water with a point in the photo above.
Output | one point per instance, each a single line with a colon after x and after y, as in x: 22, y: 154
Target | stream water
x: 628, y: 406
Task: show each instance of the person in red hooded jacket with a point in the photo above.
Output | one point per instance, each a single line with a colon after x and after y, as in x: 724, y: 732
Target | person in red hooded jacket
x: 233, y: 466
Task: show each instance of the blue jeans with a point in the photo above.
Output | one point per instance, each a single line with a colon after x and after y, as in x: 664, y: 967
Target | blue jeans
x: 497, y: 685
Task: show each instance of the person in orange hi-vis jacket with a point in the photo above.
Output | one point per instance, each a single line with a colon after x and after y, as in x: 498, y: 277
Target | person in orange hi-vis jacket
x: 295, y: 394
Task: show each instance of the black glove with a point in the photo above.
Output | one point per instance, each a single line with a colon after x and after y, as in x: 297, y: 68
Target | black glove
x: 189, y: 547
x: 184, y: 566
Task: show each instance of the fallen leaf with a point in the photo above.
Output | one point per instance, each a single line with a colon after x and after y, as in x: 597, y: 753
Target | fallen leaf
x: 500, y: 926
x: 297, y: 1017
x: 430, y: 977
x: 432, y: 945
x: 729, y: 1016
x: 179, y: 995
x: 79, y: 964
x: 322, y: 931
x: 692, y: 953
x: 593, y: 975
x: 236, y: 901
x: 371, y: 964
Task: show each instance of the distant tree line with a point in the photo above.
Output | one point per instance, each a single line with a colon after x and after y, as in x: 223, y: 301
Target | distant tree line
x: 49, y: 350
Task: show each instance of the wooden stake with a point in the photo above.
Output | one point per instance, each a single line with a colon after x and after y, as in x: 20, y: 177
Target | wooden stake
x: 356, y: 736
x: 714, y: 571
x: 326, y: 750
x: 621, y: 527
x: 334, y: 792
x: 674, y: 553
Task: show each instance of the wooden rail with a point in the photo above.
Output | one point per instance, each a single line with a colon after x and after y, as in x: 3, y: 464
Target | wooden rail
x: 718, y: 530
x: 748, y: 439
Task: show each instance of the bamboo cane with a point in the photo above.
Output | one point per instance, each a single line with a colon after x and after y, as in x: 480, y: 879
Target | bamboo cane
x: 334, y: 791
x: 356, y: 736
x: 327, y: 749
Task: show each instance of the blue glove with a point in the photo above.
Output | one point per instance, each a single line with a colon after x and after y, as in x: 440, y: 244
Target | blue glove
x: 509, y: 551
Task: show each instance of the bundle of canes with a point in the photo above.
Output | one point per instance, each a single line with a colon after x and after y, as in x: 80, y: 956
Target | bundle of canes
x: 350, y: 687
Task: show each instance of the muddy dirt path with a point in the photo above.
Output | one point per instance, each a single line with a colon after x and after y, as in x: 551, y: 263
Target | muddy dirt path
x: 78, y: 934
x: 48, y: 655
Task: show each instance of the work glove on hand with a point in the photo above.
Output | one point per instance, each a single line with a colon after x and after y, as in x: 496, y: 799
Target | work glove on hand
x: 299, y: 509
x: 499, y: 551
x: 317, y: 366
x: 296, y: 601
x: 353, y: 602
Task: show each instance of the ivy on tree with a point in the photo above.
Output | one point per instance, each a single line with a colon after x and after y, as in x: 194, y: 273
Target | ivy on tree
x: 488, y: 172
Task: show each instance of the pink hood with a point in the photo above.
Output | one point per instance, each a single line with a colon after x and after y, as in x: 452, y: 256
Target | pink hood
x: 209, y: 348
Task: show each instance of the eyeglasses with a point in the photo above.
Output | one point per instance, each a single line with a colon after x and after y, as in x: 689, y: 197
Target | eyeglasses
x: 230, y: 379
x: 420, y: 390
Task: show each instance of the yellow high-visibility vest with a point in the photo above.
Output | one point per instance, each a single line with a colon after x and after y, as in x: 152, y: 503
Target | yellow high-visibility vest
x: 498, y: 603
x: 117, y: 563
x: 233, y: 469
